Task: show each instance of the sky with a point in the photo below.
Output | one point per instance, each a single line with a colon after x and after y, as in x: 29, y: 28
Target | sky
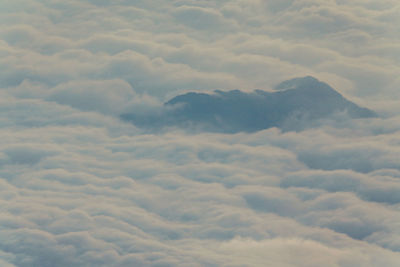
x: 81, y: 187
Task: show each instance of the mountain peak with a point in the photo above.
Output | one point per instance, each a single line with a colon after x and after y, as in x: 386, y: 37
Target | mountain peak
x: 295, y: 104
x: 307, y: 81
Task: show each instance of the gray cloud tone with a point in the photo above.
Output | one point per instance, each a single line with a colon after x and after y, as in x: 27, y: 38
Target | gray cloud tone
x: 80, y: 187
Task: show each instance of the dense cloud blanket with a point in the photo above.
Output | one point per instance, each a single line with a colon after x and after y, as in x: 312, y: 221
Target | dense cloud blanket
x: 79, y: 186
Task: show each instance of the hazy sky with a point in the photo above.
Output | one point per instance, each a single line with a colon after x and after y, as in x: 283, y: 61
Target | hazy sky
x: 80, y: 187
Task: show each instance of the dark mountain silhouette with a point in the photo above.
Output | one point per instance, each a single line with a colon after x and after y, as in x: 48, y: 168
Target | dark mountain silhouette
x: 298, y: 100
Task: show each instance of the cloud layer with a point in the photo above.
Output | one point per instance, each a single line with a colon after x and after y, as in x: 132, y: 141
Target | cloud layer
x: 80, y: 187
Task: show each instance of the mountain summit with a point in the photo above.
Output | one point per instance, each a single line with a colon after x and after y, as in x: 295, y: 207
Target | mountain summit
x: 299, y: 100
x: 307, y: 81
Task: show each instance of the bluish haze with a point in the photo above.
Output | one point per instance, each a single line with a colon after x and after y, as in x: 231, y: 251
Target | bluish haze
x: 81, y: 186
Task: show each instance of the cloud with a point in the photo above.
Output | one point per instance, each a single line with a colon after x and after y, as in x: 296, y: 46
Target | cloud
x: 202, y: 18
x: 107, y: 97
x: 116, y: 198
x: 360, y: 158
x: 299, y: 252
x: 26, y: 154
x: 81, y: 187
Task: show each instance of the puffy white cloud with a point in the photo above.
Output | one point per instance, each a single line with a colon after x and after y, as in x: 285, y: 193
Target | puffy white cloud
x: 107, y: 97
x: 107, y: 197
x: 259, y: 50
x: 80, y: 187
x: 201, y: 18
x: 300, y: 252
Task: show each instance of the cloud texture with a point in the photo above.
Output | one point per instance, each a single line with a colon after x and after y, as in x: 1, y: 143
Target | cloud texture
x: 80, y: 187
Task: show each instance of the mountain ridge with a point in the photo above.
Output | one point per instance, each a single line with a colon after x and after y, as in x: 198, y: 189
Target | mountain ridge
x: 301, y: 99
